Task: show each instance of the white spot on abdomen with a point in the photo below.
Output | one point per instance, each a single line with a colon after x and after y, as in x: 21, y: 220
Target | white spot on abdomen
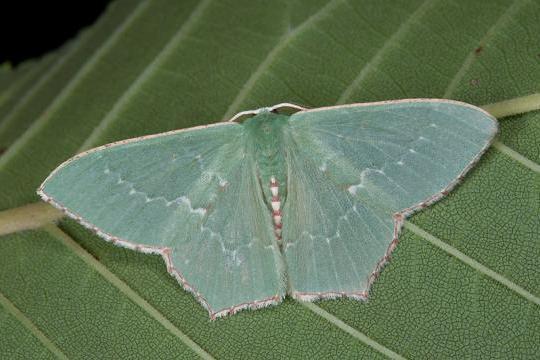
x: 275, y: 204
x: 276, y: 207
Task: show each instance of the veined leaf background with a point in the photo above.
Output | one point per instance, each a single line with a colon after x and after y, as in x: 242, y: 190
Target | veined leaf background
x: 464, y: 281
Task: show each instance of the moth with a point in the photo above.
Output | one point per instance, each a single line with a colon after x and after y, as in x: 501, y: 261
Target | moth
x: 277, y: 201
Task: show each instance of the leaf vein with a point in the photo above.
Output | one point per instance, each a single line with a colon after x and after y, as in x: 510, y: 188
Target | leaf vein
x: 43, y: 120
x: 340, y: 324
x: 43, y: 79
x: 378, y: 57
x: 31, y: 327
x: 508, y: 151
x: 272, y: 55
x: 472, y: 263
x: 148, y: 71
x: 101, y: 269
x: 469, y: 60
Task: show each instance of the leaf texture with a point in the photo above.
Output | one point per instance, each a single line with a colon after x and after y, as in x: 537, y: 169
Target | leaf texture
x: 147, y: 67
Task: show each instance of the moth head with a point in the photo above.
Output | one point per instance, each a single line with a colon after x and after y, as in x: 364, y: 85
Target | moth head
x: 283, y: 108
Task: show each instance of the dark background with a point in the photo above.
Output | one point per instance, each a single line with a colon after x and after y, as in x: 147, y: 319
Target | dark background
x: 31, y: 29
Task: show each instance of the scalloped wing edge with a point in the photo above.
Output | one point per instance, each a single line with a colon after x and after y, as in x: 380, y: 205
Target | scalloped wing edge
x: 166, y: 255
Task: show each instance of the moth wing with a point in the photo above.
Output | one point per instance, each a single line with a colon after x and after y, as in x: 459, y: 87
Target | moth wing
x: 354, y: 173
x: 191, y: 196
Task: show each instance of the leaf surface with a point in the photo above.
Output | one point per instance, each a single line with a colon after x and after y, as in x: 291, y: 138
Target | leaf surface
x: 147, y: 67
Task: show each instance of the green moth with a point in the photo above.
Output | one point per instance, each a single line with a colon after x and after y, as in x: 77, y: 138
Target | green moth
x: 308, y: 204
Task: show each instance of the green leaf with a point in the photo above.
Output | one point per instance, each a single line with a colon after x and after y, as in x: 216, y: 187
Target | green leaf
x: 464, y: 280
x: 15, y: 84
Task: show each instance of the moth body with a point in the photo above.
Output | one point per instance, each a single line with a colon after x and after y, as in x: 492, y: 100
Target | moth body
x: 266, y: 131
